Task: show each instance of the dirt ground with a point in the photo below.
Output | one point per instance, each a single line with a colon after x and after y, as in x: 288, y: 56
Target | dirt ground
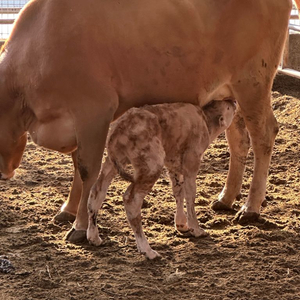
x: 257, y: 261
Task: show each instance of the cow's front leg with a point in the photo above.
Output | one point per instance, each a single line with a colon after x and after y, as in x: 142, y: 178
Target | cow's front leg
x: 178, y: 192
x: 239, y: 143
x: 96, y: 198
x: 89, y: 163
x: 92, y: 125
x: 69, y: 208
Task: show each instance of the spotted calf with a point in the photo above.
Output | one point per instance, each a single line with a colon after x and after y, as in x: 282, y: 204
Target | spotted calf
x: 175, y: 135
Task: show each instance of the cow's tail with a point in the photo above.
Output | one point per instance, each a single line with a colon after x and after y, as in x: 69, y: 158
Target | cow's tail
x: 123, y: 173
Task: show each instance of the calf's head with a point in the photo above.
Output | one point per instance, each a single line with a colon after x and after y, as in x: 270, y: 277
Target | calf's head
x: 219, y: 114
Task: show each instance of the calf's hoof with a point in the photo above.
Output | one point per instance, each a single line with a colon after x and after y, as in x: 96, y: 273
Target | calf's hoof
x: 152, y: 254
x: 198, y: 232
x: 218, y: 205
x: 64, y: 217
x: 243, y: 217
x: 76, y: 236
x: 182, y: 228
x: 94, y: 240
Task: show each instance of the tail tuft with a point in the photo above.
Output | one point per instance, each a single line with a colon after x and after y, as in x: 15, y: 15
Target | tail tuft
x: 126, y: 176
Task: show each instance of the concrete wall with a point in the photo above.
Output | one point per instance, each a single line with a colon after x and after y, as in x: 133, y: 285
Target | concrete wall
x: 294, y: 51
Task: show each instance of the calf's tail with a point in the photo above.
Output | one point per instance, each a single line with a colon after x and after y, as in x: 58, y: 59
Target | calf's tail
x: 125, y: 175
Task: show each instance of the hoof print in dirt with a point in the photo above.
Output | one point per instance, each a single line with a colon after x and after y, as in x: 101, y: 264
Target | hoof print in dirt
x: 266, y: 224
x: 191, y: 234
x: 76, y: 236
x: 184, y: 234
x: 238, y: 197
x: 218, y: 223
x: 220, y: 206
x: 5, y: 265
x: 64, y: 217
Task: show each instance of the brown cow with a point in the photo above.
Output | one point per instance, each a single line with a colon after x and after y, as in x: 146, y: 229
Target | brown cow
x: 149, y: 138
x: 69, y: 68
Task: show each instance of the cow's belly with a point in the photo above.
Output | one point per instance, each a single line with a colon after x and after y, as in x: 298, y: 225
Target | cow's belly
x: 56, y: 134
x: 197, y: 95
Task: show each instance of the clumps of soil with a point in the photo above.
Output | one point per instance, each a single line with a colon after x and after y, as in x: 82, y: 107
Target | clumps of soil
x: 254, y: 261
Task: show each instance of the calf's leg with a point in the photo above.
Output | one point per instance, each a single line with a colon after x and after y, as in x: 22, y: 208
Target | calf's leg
x: 96, y: 198
x: 190, y: 168
x: 190, y: 194
x: 147, y: 171
x: 133, y: 200
x: 178, y: 192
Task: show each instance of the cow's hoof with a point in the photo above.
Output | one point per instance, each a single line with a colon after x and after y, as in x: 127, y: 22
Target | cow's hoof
x: 218, y: 205
x: 244, y: 218
x: 64, y: 217
x: 76, y: 236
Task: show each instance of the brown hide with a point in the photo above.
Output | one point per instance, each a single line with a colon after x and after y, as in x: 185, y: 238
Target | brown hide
x: 70, y: 67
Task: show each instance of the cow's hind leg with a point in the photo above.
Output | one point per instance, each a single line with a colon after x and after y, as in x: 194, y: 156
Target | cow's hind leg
x: 178, y: 192
x: 255, y: 105
x: 69, y: 209
x: 262, y: 140
x: 96, y: 198
x: 239, y: 143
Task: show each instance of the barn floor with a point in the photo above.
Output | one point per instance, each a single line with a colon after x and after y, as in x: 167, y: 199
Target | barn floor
x: 257, y: 261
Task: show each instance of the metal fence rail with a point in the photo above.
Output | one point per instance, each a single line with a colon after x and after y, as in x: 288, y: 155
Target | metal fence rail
x: 294, y: 27
x: 9, y: 10
x: 13, y: 3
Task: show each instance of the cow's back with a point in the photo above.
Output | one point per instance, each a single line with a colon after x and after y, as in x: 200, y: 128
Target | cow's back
x: 146, y: 50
